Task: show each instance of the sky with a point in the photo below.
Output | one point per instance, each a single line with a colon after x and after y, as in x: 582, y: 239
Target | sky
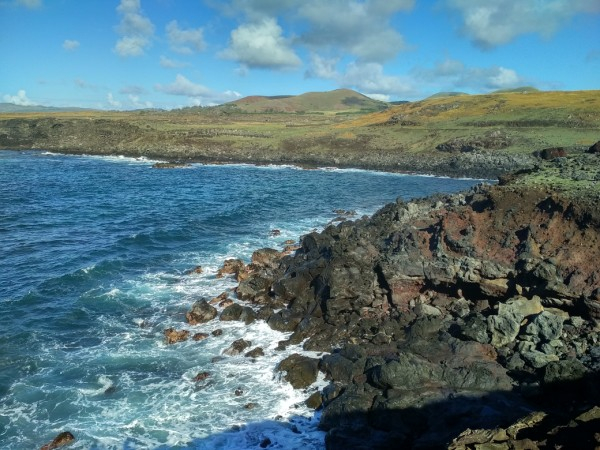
x: 131, y: 54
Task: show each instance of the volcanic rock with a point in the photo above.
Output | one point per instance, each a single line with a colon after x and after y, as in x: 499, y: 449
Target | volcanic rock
x: 174, y: 336
x: 301, y: 371
x: 64, y: 438
x: 201, y: 312
x: 237, y: 347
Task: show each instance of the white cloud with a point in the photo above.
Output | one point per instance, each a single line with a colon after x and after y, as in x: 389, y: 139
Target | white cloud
x: 19, y: 99
x: 322, y: 67
x: 380, y: 97
x: 197, y: 93
x: 112, y: 102
x: 135, y: 28
x: 183, y: 86
x: 490, y: 24
x: 171, y: 63
x: 185, y: 41
x: 503, y: 78
x: 360, y: 27
x: 70, y: 45
x: 365, y: 77
x: 370, y: 79
x: 261, y: 45
x: 450, y: 74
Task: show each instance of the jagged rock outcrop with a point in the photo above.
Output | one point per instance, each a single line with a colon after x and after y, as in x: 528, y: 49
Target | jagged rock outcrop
x: 475, y: 302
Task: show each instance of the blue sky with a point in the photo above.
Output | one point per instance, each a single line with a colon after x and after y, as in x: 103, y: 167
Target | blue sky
x: 128, y: 54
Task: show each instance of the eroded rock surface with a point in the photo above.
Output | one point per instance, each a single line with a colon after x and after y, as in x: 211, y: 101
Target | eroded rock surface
x: 442, y: 314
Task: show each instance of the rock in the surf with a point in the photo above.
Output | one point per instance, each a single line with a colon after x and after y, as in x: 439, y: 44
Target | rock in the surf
x: 173, y: 336
x: 201, y: 312
x: 64, y: 438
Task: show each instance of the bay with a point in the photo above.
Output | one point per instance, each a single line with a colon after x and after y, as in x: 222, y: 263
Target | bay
x: 94, y: 255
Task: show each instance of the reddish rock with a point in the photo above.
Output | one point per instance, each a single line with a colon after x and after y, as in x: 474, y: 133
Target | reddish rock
x: 173, y: 336
x: 200, y: 336
x: 231, y: 266
x: 225, y: 303
x: 201, y: 376
x: 266, y: 258
x: 551, y: 153
x: 196, y: 270
x: 222, y: 296
x: 64, y: 438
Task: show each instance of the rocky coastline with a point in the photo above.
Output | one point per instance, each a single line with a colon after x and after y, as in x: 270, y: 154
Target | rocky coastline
x: 463, y: 321
x: 176, y: 148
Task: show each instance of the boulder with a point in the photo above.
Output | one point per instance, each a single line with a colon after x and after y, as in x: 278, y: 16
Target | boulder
x: 237, y: 347
x: 201, y: 312
x: 301, y: 371
x: 231, y: 312
x: 254, y: 288
x: 408, y: 371
x: 200, y: 336
x: 505, y: 326
x: 551, y: 153
x: 266, y: 258
x: 64, y: 438
x: 595, y: 149
x: 545, y: 326
x: 315, y: 401
x: 231, y: 267
x: 173, y: 336
x: 235, y: 311
x: 201, y: 376
x: 255, y: 353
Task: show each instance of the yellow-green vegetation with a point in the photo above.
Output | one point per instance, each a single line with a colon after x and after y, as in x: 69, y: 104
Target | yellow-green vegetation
x: 477, y: 135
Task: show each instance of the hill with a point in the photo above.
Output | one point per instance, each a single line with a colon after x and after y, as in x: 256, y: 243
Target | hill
x: 480, y: 136
x: 337, y: 101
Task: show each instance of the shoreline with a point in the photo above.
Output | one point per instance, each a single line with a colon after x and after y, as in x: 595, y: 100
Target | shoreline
x: 445, y: 302
x: 181, y: 163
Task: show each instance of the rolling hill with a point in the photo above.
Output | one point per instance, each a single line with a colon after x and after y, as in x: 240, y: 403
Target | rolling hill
x: 337, y: 101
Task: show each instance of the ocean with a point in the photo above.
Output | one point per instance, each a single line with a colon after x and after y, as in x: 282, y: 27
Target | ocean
x: 95, y: 254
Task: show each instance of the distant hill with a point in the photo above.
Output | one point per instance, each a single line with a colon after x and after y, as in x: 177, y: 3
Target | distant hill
x: 447, y: 94
x: 12, y: 108
x: 337, y: 101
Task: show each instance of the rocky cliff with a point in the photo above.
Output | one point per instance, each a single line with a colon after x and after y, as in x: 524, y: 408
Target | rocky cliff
x: 450, y: 313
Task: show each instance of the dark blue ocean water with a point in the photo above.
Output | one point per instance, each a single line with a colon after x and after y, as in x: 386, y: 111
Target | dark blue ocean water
x: 93, y: 259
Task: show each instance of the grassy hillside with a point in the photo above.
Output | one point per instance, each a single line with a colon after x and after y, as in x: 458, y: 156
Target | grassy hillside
x: 476, y: 135
x: 339, y: 100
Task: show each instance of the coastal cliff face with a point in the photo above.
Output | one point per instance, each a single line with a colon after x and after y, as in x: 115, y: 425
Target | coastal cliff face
x: 449, y: 313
